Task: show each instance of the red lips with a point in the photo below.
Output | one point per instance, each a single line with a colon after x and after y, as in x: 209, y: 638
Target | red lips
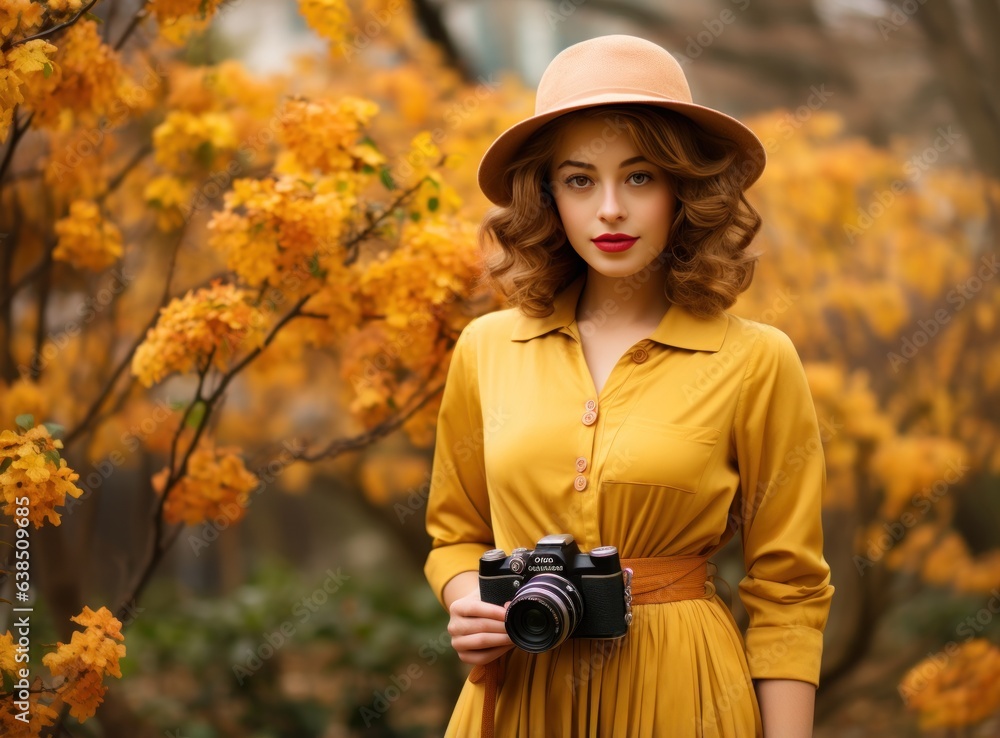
x: 613, y: 242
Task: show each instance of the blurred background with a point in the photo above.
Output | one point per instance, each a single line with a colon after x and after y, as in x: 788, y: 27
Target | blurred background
x: 237, y: 243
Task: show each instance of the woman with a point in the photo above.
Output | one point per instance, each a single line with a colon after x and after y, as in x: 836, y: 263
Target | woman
x: 616, y: 400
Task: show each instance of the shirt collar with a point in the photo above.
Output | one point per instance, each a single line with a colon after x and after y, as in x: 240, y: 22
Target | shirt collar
x: 678, y: 327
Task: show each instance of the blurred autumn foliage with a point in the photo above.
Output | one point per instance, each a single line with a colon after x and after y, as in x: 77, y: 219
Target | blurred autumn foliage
x: 202, y: 267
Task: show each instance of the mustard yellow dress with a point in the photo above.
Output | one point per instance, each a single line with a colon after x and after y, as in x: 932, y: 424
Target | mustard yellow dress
x: 703, y: 419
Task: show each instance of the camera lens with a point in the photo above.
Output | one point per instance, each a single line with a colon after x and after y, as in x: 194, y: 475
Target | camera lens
x: 544, y: 613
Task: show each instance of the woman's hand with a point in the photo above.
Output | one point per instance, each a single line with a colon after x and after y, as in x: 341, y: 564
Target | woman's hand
x: 477, y: 628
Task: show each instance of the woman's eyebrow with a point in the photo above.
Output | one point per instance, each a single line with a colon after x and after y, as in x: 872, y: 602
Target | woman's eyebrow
x: 584, y: 165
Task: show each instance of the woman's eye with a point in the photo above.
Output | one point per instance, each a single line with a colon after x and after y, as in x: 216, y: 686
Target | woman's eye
x: 642, y: 174
x: 575, y: 179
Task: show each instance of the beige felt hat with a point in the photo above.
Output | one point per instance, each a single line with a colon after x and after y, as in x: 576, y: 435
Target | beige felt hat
x: 612, y: 70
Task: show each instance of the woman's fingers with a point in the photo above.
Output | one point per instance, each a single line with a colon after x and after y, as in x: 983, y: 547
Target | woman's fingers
x: 479, y: 641
x: 483, y: 656
x: 471, y: 607
x: 459, y: 626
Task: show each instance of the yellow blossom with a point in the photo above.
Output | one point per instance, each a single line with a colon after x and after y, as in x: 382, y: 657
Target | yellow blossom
x: 216, y: 484
x: 7, y: 653
x: 170, y: 196
x: 955, y: 688
x: 287, y: 231
x: 326, y: 135
x: 19, y: 17
x: 86, y: 659
x: 32, y: 469
x: 86, y: 240
x: 188, y: 142
x: 217, y: 320
x: 84, y: 82
x: 329, y: 18
x: 40, y: 716
x: 23, y: 397
x: 173, y: 9
x: 31, y: 56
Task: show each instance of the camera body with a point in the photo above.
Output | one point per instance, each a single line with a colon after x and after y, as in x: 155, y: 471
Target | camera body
x: 557, y: 592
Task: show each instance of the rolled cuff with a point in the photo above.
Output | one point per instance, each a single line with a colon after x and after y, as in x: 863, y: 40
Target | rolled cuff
x: 785, y: 652
x: 445, y: 562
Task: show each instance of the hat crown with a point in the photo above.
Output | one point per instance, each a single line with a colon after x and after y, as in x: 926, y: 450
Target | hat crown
x: 610, y: 65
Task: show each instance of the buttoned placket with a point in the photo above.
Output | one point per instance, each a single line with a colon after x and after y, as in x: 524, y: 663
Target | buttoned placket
x: 595, y: 409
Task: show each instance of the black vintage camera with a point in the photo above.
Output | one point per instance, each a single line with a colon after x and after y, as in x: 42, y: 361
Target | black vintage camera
x: 556, y: 592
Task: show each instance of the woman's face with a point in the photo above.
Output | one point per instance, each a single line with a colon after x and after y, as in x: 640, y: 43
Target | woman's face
x: 603, y: 185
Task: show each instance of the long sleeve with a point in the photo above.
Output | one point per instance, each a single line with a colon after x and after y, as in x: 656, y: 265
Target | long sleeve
x: 787, y: 590
x: 458, y: 509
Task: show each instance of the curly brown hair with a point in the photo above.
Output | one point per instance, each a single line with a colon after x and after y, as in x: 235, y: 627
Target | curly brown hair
x: 709, y: 264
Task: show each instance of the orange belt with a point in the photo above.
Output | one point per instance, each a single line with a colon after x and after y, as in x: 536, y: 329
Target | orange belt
x: 654, y: 580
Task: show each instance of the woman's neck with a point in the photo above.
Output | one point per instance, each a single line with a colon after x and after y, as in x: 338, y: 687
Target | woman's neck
x: 623, y: 302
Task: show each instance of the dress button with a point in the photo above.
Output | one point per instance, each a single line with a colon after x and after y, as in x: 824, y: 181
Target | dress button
x: 639, y: 355
x: 589, y: 417
x: 591, y: 405
x: 581, y: 464
x: 580, y: 483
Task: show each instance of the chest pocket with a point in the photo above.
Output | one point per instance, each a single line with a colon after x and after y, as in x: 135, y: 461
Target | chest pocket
x: 657, y: 454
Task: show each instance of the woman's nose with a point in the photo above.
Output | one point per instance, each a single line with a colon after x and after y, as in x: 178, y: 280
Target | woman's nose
x: 612, y: 208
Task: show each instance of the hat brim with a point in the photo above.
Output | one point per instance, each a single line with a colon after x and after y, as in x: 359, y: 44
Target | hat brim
x: 752, y: 157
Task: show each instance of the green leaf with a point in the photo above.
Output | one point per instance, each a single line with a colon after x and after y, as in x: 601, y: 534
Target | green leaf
x: 55, y: 430
x: 196, y: 415
x: 368, y: 141
x: 414, y: 216
x: 5, y: 464
x: 47, y: 70
x: 52, y: 456
x: 90, y: 16
x: 367, y: 169
x: 432, y: 204
x: 25, y: 422
x: 387, y: 180
x: 307, y: 183
x: 391, y: 403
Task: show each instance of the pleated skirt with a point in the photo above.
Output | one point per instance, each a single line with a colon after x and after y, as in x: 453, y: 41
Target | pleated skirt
x: 681, y: 672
